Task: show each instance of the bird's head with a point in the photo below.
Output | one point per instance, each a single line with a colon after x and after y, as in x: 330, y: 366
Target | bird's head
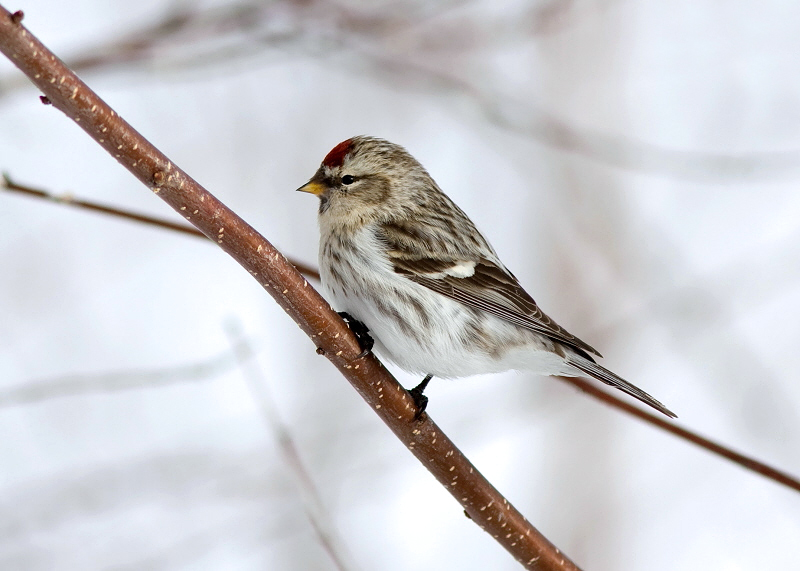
x: 364, y: 179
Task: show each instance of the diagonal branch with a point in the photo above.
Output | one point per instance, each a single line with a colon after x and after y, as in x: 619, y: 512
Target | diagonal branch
x: 701, y: 441
x: 481, y: 501
x: 69, y: 200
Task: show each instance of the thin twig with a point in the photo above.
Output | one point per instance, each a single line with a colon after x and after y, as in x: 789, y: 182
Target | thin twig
x: 315, y: 508
x: 482, y: 502
x: 70, y: 200
x: 702, y: 442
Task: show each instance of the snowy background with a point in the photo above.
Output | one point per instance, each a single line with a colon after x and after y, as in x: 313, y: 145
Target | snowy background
x: 635, y: 163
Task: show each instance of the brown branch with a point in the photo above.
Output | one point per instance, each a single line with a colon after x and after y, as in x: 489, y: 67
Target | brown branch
x: 482, y: 502
x: 70, y: 200
x: 702, y: 442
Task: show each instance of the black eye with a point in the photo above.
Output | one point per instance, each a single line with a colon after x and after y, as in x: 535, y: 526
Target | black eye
x: 348, y: 179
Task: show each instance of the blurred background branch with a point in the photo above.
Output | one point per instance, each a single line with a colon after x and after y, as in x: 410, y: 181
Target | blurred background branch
x: 430, y: 47
x: 35, y: 391
x: 318, y: 515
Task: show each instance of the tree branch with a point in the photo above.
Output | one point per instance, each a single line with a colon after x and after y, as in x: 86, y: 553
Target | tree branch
x: 693, y: 437
x: 69, y: 200
x: 482, y: 502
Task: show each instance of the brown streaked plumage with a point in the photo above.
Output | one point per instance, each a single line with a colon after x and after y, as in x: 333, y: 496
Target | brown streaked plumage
x: 398, y: 255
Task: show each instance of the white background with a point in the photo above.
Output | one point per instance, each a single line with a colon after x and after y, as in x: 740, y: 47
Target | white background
x: 635, y: 163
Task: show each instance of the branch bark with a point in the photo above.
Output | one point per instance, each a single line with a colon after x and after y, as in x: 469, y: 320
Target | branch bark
x: 481, y: 501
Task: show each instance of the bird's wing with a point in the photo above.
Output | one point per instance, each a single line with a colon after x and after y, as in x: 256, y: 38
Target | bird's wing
x: 476, y: 282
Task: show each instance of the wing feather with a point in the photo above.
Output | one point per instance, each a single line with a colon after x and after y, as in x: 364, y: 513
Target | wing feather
x: 490, y: 287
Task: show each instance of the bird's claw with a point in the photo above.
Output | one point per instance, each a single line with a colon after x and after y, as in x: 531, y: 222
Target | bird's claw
x: 419, y: 398
x: 361, y: 331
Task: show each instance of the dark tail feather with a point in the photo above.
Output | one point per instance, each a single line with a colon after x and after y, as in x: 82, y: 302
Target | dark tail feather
x: 602, y: 374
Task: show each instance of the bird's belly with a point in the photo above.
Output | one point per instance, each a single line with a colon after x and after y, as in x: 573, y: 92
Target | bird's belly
x: 424, y: 333
x: 440, y: 345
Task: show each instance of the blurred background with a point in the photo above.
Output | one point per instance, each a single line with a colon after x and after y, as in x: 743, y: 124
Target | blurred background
x: 635, y: 163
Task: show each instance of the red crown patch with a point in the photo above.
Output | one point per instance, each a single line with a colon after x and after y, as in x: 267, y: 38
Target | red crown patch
x: 336, y: 157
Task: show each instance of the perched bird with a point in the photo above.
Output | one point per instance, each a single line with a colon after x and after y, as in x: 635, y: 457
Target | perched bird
x: 397, y: 255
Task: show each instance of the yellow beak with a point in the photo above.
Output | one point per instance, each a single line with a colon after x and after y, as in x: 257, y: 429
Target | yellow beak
x: 313, y: 187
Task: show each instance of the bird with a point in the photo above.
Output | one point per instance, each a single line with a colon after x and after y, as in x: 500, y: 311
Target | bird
x: 410, y: 272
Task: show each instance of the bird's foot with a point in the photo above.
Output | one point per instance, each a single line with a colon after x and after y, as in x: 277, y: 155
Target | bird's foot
x: 420, y: 399
x: 361, y: 331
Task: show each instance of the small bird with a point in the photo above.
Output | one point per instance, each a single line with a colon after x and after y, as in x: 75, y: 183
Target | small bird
x: 399, y: 259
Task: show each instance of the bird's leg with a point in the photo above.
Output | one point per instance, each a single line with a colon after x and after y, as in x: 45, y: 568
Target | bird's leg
x: 420, y: 399
x: 361, y: 331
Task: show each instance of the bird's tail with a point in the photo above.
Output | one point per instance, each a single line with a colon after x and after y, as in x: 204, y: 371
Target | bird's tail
x: 602, y: 374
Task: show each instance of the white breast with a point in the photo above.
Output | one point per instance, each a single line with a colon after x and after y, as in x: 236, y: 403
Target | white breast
x: 420, y: 330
